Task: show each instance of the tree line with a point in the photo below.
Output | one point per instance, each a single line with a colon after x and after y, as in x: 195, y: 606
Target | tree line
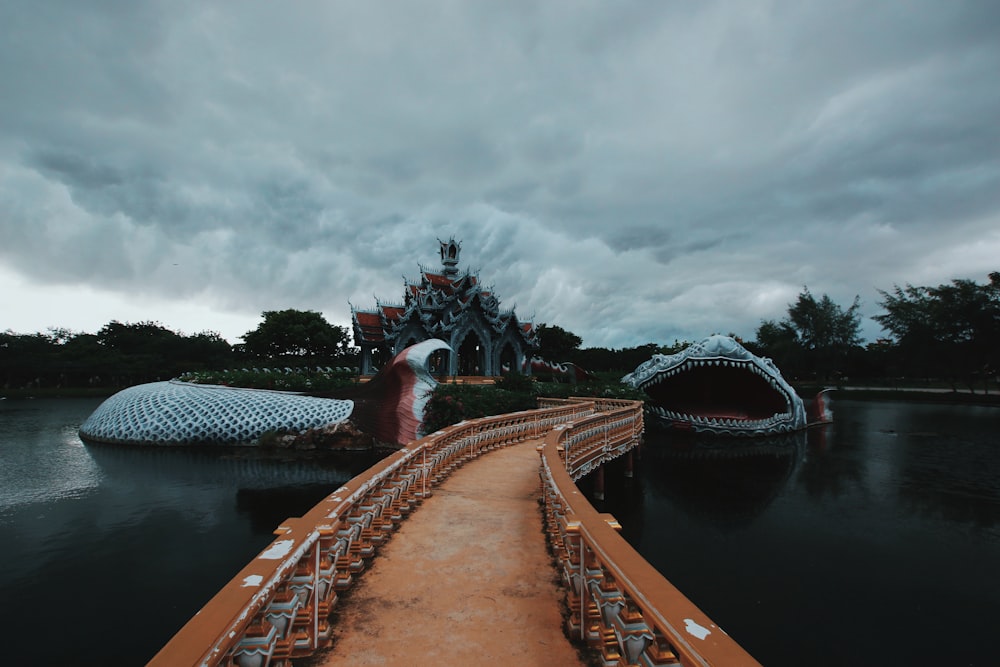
x: 123, y: 354
x: 947, y: 333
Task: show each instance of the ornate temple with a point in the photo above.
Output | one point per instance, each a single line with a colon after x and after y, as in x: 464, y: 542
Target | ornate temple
x: 452, y: 306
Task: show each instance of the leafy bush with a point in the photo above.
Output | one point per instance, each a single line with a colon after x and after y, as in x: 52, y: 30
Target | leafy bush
x: 516, y: 382
x: 452, y: 403
x: 289, y: 379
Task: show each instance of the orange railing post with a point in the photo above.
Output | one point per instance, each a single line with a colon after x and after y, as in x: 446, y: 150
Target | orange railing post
x: 618, y: 603
x: 278, y: 607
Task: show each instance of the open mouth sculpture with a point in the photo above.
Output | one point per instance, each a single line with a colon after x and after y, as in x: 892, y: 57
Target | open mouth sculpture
x: 718, y: 387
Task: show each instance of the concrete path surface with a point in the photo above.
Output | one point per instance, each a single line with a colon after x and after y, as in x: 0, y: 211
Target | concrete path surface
x: 466, y: 580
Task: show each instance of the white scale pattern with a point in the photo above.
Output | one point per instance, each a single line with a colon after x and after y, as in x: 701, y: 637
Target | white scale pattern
x: 180, y: 413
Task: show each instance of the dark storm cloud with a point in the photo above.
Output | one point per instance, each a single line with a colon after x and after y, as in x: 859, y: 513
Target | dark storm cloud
x: 77, y: 171
x: 631, y: 171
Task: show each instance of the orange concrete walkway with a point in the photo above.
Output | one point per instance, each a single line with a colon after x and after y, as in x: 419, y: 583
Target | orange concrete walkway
x: 466, y: 580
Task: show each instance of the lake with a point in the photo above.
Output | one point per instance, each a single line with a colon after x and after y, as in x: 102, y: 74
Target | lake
x: 874, y: 540
x: 108, y: 551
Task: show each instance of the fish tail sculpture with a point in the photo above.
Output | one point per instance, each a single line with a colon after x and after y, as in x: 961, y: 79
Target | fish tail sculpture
x: 391, y: 405
x: 567, y: 369
x: 821, y: 408
x: 390, y: 408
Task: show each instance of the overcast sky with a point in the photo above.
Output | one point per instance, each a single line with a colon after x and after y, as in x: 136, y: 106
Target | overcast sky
x: 631, y: 171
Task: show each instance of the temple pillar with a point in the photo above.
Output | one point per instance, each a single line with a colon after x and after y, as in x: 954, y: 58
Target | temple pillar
x: 453, y: 356
x: 629, y: 463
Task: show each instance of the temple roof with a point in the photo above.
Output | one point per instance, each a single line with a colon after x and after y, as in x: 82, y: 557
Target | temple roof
x: 392, y: 313
x: 436, y: 303
x: 368, y: 326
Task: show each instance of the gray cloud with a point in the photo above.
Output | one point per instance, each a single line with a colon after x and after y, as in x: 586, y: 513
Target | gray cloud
x: 632, y: 172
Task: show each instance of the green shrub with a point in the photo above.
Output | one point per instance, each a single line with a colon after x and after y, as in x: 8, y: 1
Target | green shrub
x: 293, y: 379
x: 452, y: 403
x: 516, y: 382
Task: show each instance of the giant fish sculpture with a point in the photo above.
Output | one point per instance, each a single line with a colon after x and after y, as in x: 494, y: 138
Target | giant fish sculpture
x: 390, y: 408
x: 718, y: 387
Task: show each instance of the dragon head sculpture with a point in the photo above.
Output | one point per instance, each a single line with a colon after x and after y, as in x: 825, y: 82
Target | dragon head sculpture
x: 718, y: 387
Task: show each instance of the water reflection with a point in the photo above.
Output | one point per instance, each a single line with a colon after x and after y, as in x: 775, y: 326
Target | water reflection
x: 881, y: 530
x: 949, y: 470
x: 833, y: 466
x: 267, y: 508
x: 43, y: 458
x: 138, y: 538
x: 241, y: 467
x: 726, y: 482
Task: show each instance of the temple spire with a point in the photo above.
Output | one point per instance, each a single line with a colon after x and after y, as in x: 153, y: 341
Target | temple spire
x: 450, y: 250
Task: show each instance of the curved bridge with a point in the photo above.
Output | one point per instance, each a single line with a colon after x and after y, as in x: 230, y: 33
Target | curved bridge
x: 279, y: 606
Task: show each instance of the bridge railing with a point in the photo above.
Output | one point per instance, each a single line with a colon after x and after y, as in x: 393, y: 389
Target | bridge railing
x: 618, y: 603
x: 277, y: 607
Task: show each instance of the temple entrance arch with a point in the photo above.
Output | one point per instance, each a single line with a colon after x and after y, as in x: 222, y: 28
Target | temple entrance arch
x: 440, y: 363
x: 509, y: 360
x: 471, y: 355
x: 411, y: 340
x: 377, y: 359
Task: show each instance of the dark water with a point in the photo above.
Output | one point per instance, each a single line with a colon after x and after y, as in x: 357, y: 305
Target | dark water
x: 107, y: 552
x: 876, y: 541
x: 871, y: 541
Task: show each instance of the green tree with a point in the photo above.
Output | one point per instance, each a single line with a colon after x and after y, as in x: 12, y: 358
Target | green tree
x: 120, y: 354
x: 147, y: 351
x: 25, y: 359
x: 823, y: 325
x: 556, y: 344
x: 85, y: 361
x: 296, y: 333
x: 947, y: 331
x: 780, y: 342
x: 817, y: 336
x: 133, y: 338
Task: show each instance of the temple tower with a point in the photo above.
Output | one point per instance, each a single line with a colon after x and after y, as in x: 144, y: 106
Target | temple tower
x: 452, y: 306
x: 450, y: 251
